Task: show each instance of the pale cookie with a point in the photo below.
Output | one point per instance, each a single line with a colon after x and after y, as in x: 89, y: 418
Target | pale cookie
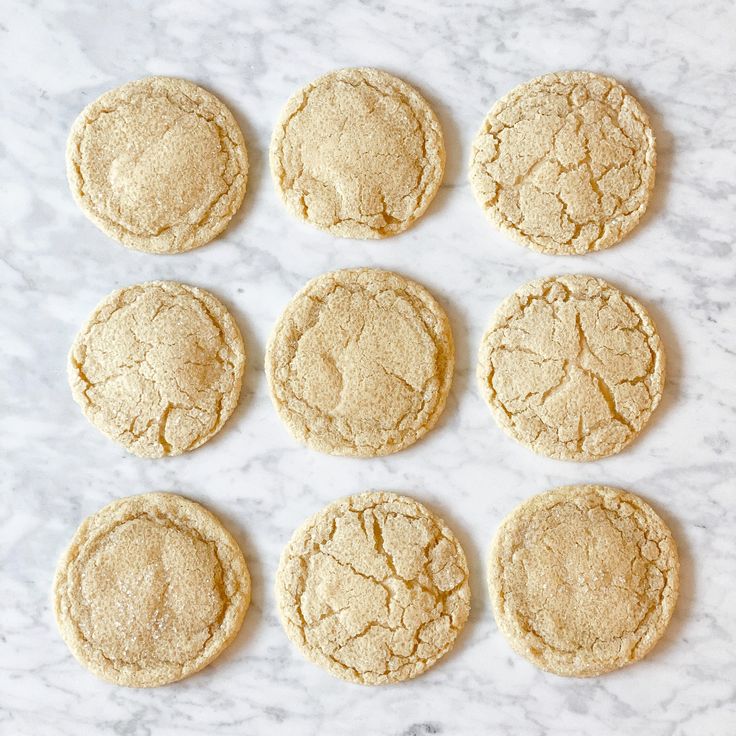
x: 583, y: 579
x: 358, y: 153
x: 159, y: 164
x: 151, y: 590
x: 565, y: 163
x: 360, y: 362
x: 374, y: 588
x: 571, y: 367
x: 158, y: 367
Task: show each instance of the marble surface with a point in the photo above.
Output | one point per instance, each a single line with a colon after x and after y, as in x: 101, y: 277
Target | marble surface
x: 680, y: 60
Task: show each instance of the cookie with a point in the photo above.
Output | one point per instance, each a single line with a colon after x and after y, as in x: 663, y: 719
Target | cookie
x: 151, y: 590
x: 158, y: 367
x: 583, y: 579
x: 571, y: 367
x: 565, y: 163
x: 360, y: 363
x: 374, y: 588
x: 159, y: 164
x: 357, y: 153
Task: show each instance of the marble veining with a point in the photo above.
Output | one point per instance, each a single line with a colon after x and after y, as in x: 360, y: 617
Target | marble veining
x: 678, y: 58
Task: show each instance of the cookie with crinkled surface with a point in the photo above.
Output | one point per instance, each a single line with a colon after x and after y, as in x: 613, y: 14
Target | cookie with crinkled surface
x: 158, y: 367
x: 159, y: 164
x: 360, y: 362
x: 358, y: 153
x: 374, y: 588
x: 565, y: 163
x: 151, y: 589
x: 583, y: 579
x: 571, y: 367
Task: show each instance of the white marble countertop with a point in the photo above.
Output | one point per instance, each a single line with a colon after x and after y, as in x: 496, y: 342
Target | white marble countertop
x: 680, y: 61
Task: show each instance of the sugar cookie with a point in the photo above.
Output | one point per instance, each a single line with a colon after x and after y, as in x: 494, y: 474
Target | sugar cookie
x: 358, y: 153
x: 159, y: 164
x: 571, y: 367
x: 151, y: 590
x: 360, y: 362
x: 158, y: 367
x: 583, y: 579
x: 565, y: 163
x: 374, y: 588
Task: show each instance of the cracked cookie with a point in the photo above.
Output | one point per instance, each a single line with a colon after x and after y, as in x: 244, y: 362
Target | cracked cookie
x: 159, y: 164
x: 565, y: 163
x: 358, y: 153
x: 360, y: 363
x: 151, y: 590
x: 158, y: 367
x: 583, y: 579
x: 374, y: 588
x: 571, y: 367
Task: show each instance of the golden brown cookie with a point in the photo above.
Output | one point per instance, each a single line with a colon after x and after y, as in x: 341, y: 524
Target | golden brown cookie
x: 358, y: 153
x: 374, y: 588
x: 159, y: 164
x: 151, y: 590
x: 565, y: 163
x: 583, y: 579
x: 571, y: 367
x: 360, y: 362
x: 158, y: 367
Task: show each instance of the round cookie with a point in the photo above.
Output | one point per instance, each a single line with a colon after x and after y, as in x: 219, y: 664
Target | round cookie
x: 159, y: 164
x: 583, y: 579
x: 357, y: 153
x: 151, y: 590
x: 158, y: 367
x: 565, y: 163
x: 571, y: 367
x: 360, y: 363
x: 374, y: 588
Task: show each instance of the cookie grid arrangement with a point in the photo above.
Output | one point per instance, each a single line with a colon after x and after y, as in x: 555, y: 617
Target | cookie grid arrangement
x: 374, y: 588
